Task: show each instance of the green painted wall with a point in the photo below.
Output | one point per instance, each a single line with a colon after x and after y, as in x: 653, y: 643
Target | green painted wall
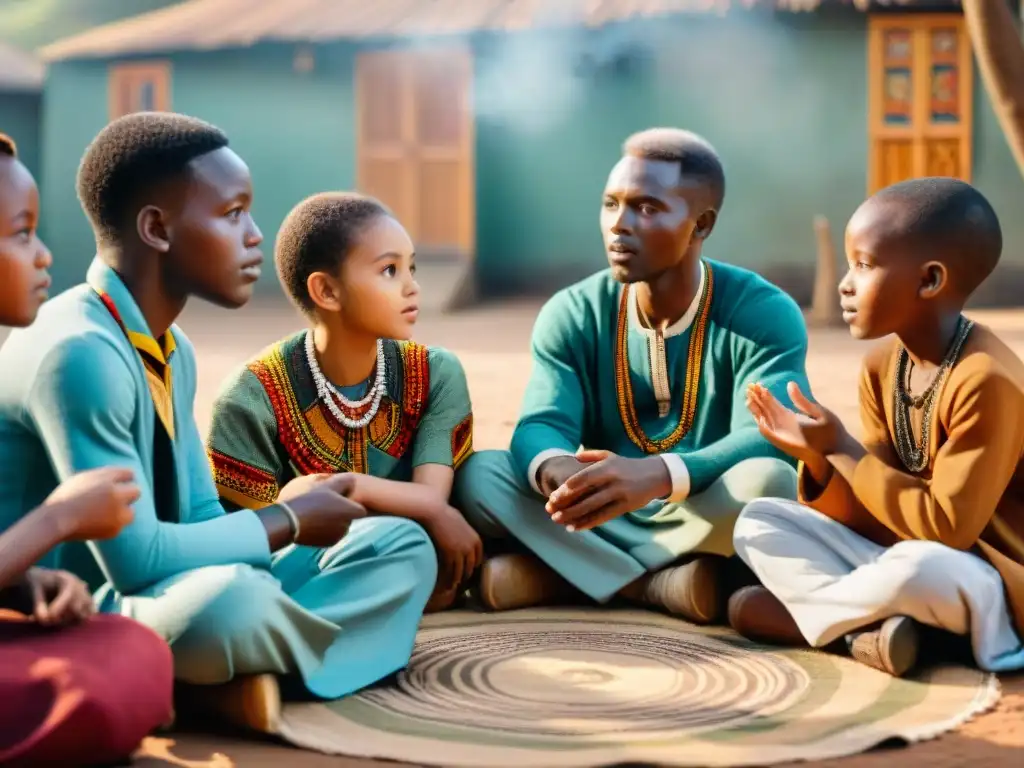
x: 19, y: 119
x: 782, y: 96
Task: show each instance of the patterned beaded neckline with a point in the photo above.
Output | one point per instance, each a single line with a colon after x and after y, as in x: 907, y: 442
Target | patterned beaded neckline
x: 914, y: 453
x: 694, y: 364
x: 369, y: 404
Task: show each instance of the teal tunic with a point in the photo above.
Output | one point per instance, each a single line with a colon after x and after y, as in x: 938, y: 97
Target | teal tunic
x: 339, y: 619
x: 592, y: 385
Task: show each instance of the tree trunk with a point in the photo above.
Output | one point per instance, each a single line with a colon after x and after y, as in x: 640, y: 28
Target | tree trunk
x: 999, y: 51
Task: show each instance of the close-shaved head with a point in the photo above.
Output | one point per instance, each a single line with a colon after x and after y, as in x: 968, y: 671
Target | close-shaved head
x: 942, y: 219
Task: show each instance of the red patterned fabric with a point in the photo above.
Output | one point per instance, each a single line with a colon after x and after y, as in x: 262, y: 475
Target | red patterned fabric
x: 81, y: 695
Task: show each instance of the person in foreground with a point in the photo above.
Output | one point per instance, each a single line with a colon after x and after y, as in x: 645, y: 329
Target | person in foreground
x: 106, y: 379
x: 352, y: 394
x: 646, y: 366
x: 922, y: 521
x: 74, y: 688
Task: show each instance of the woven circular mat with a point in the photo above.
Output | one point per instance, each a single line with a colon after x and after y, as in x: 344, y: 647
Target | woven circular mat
x: 598, y: 687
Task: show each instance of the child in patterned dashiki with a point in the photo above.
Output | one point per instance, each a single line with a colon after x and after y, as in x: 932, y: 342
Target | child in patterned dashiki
x: 645, y: 365
x: 105, y: 378
x: 74, y: 688
x: 351, y: 394
x: 923, y: 521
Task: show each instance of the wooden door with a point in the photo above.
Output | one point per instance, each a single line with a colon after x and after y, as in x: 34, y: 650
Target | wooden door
x: 920, y: 112
x: 415, y: 143
x: 139, y: 87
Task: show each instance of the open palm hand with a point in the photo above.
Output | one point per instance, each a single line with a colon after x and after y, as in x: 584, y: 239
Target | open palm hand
x: 808, y: 434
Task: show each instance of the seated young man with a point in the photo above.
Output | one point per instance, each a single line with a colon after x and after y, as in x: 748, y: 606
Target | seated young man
x: 105, y: 378
x: 75, y: 688
x: 352, y: 393
x: 923, y: 521
x: 646, y: 366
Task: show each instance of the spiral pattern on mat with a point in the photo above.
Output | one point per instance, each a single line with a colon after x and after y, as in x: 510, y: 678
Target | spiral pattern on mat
x: 594, y: 680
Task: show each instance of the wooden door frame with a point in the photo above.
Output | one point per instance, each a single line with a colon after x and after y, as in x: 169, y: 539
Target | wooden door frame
x: 921, y: 127
x: 158, y: 71
x: 408, y: 132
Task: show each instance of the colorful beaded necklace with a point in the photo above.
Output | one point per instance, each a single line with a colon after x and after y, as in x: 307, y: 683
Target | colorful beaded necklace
x: 694, y: 363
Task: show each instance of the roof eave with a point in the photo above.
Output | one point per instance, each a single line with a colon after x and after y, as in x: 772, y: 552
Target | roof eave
x: 146, y: 34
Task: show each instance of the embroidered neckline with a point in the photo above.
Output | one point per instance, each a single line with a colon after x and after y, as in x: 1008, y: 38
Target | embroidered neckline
x: 313, y: 438
x: 681, y: 325
x: 694, y: 365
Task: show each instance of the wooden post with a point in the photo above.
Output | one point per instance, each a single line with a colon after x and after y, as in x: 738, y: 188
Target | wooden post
x: 825, y: 301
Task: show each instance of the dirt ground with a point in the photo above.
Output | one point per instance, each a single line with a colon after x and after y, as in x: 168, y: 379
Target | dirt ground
x: 493, y: 344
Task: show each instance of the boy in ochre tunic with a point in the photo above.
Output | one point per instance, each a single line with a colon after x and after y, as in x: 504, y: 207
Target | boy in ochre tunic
x: 922, y: 521
x: 645, y: 365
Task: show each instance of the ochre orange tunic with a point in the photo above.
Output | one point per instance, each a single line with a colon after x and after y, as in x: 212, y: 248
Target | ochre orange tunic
x: 971, y: 495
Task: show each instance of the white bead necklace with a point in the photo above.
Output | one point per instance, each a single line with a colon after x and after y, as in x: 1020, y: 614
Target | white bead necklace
x: 330, y: 396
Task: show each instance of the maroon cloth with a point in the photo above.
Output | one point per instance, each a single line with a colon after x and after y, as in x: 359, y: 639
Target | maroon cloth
x: 80, y: 695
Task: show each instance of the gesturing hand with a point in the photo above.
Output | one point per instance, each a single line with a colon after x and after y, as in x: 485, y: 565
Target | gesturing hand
x: 808, y: 435
x: 609, y: 486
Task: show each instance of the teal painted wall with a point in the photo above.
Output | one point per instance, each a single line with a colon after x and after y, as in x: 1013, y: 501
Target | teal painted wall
x: 19, y: 119
x: 295, y: 131
x: 782, y: 96
x: 74, y: 109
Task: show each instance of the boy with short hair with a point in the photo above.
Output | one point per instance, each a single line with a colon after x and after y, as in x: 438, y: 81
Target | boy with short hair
x: 75, y: 688
x: 923, y: 521
x: 645, y: 365
x: 105, y: 378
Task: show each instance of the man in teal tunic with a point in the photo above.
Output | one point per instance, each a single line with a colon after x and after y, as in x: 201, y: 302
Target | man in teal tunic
x: 635, y: 451
x: 105, y: 378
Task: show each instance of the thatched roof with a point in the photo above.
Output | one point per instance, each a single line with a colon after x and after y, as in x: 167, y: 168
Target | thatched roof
x: 19, y: 70
x: 213, y: 24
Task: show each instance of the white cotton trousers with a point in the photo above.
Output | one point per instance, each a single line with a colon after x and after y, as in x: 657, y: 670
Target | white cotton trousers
x: 833, y: 581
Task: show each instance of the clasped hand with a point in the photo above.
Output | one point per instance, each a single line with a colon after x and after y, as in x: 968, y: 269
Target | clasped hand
x: 322, y: 506
x: 598, y: 486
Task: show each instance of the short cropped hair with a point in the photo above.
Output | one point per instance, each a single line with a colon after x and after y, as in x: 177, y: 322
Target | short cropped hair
x: 7, y: 146
x: 132, y: 155
x: 317, y: 235
x: 696, y: 157
x: 948, y: 218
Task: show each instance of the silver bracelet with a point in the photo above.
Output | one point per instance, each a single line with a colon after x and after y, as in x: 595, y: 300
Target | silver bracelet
x: 293, y: 519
